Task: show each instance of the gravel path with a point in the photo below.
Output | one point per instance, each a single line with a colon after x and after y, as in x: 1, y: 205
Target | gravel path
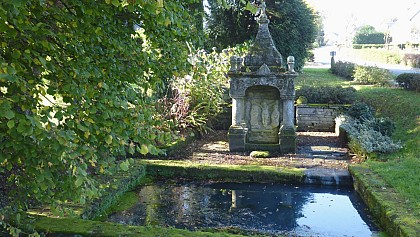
x: 315, y: 149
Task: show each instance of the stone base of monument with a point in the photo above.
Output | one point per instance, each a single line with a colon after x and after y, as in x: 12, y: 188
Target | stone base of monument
x: 238, y: 141
x: 287, y: 140
x: 237, y: 137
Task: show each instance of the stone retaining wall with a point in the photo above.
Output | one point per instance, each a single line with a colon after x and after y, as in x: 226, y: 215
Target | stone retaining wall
x: 317, y: 118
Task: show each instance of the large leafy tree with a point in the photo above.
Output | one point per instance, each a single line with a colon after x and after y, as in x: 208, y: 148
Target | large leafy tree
x: 229, y: 24
x: 368, y: 35
x: 293, y: 26
x: 78, y: 88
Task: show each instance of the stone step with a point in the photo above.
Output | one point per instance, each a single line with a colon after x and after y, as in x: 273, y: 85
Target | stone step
x: 323, y: 152
x: 326, y: 176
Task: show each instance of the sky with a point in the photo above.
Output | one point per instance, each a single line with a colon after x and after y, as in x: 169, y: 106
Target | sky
x: 340, y: 13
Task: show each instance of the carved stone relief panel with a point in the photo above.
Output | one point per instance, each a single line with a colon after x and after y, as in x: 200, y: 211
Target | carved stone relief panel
x: 263, y: 114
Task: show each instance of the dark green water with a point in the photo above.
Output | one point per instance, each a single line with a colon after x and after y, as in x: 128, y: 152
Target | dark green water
x: 267, y: 208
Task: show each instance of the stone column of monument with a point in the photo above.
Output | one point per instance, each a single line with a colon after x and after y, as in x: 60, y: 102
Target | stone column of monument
x: 287, y: 133
x: 237, y: 131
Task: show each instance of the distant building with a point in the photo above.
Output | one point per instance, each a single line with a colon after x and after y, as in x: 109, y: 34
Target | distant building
x: 406, y: 30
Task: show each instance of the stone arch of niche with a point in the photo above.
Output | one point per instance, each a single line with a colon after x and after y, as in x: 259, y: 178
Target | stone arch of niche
x: 263, y: 114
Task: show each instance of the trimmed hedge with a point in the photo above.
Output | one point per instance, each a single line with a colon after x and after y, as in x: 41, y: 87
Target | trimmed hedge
x: 368, y: 46
x: 343, y: 69
x: 327, y: 94
x: 409, y: 81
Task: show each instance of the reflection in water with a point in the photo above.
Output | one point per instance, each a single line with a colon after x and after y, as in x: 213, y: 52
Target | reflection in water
x: 269, y: 208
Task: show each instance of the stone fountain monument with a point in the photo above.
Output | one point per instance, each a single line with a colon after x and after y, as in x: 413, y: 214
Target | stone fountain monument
x: 262, y: 92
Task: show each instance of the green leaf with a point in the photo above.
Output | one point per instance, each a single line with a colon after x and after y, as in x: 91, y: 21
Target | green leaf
x: 250, y: 7
x: 108, y: 139
x: 9, y: 114
x: 115, y: 2
x: 81, y: 127
x: 18, y: 3
x: 43, y: 61
x: 160, y: 3
x: 144, y: 149
x: 16, y: 54
x: 82, y: 171
x: 124, y: 165
x: 10, y: 124
x: 79, y: 181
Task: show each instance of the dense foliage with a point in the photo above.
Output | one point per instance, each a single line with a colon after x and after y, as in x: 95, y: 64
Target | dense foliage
x: 367, y: 133
x: 78, y: 88
x: 372, y: 75
x: 368, y: 35
x: 365, y: 75
x: 343, y: 69
x: 199, y: 96
x: 409, y: 81
x: 293, y: 26
x: 229, y: 25
x: 327, y: 94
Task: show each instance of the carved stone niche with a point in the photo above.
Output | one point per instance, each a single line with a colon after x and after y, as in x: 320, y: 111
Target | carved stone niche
x: 262, y: 92
x: 263, y: 113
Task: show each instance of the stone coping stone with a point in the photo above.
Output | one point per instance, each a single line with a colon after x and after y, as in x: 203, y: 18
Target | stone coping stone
x: 325, y: 176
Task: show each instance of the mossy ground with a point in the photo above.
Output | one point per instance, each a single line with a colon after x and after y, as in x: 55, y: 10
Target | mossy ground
x: 96, y: 228
x: 385, y: 203
x: 237, y: 173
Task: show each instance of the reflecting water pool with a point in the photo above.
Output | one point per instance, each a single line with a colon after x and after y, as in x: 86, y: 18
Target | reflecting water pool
x: 268, y: 208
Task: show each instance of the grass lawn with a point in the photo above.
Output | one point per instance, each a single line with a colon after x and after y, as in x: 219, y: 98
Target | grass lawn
x: 319, y: 77
x: 400, y: 170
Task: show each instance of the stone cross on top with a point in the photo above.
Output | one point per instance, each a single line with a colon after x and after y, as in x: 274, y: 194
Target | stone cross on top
x: 263, y: 50
x: 262, y: 8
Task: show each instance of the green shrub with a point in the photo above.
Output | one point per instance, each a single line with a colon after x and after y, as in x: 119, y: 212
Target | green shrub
x: 372, y: 75
x: 343, y: 69
x: 310, y: 57
x: 327, y: 94
x: 368, y: 46
x: 357, y: 46
x: 409, y: 81
x: 412, y: 60
x: 366, y: 114
x: 383, y: 125
x: 361, y: 111
x: 199, y: 96
x: 368, y: 134
x: 365, y: 140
